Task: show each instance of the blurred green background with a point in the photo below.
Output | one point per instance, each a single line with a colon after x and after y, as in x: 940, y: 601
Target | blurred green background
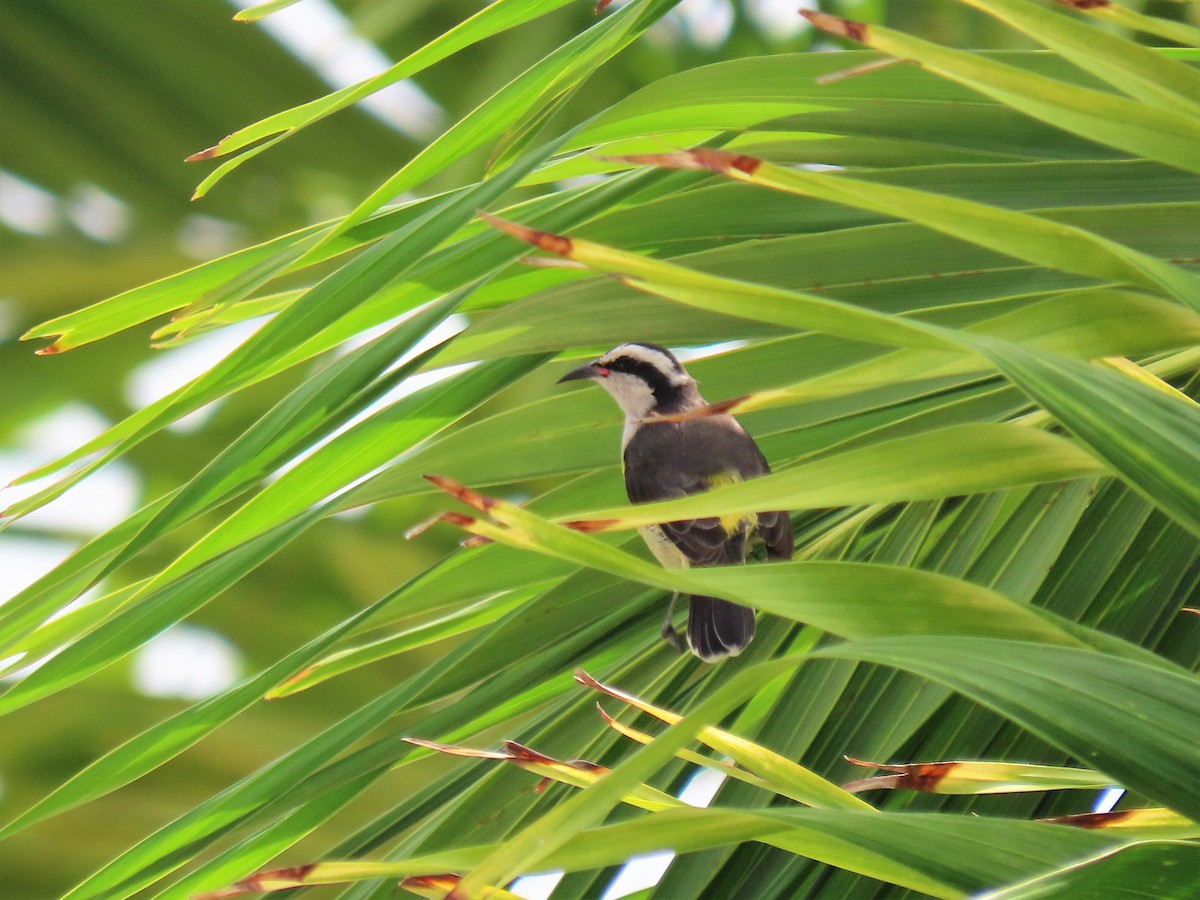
x: 99, y: 105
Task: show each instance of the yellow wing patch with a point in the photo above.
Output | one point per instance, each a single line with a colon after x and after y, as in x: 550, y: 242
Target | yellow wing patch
x: 734, y: 522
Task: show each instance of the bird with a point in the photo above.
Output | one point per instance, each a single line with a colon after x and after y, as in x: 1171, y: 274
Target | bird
x: 666, y: 459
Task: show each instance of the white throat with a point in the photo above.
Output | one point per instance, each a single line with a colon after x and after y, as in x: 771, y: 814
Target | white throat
x: 631, y: 393
x: 633, y: 396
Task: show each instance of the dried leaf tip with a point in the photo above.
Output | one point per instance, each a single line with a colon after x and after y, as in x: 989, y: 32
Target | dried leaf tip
x: 1092, y: 821
x: 262, y: 882
x: 915, y: 777
x: 455, y: 750
x: 587, y: 526
x: 720, y: 408
x: 206, y: 153
x: 582, y: 677
x: 1086, y: 4
x: 461, y: 492
x: 519, y: 753
x: 867, y: 764
x: 700, y: 158
x: 543, y: 240
x: 587, y: 680
x: 54, y: 348
x: 454, y: 518
x: 836, y: 25
x: 421, y: 527
x: 602, y: 5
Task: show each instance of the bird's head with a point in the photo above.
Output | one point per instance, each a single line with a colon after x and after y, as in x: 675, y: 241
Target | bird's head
x: 644, y: 379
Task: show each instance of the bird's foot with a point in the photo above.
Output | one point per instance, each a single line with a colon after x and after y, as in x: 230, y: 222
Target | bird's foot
x: 671, y: 636
x: 668, y: 632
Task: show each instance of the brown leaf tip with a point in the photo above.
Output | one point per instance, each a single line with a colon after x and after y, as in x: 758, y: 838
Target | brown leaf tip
x: 1092, y: 820
x: 588, y: 525
x: 461, y: 492
x: 722, y: 163
x: 865, y: 763
x: 582, y: 677
x: 721, y: 407
x: 704, y: 158
x: 49, y: 351
x: 877, y: 783
x: 1086, y: 4
x: 927, y: 776
x: 206, y: 153
x: 421, y: 527
x: 587, y: 680
x: 602, y: 5
x: 267, y: 880
x: 456, y: 750
x: 914, y: 777
x: 836, y: 25
x: 543, y: 240
x: 519, y: 753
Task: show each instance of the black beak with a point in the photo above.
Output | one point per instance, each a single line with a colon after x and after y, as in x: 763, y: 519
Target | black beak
x: 586, y: 371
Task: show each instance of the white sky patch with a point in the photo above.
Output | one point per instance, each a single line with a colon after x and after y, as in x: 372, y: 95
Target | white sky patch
x: 188, y: 662
x: 317, y: 33
x: 23, y: 560
x: 704, y: 23
x: 779, y: 20
x: 687, y: 354
x: 27, y: 207
x: 95, y: 504
x: 408, y: 386
x: 11, y: 676
x: 171, y: 369
x: 537, y: 887
x: 205, y: 237
x: 98, y: 502
x: 707, y: 23
x: 643, y: 872
x: 97, y: 213
x: 1108, y: 800
x: 447, y: 328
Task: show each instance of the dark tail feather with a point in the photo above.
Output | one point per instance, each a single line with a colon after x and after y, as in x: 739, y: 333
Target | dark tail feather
x: 718, y: 628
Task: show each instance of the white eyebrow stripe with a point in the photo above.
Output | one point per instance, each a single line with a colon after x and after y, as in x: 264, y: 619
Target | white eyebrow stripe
x: 656, y: 358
